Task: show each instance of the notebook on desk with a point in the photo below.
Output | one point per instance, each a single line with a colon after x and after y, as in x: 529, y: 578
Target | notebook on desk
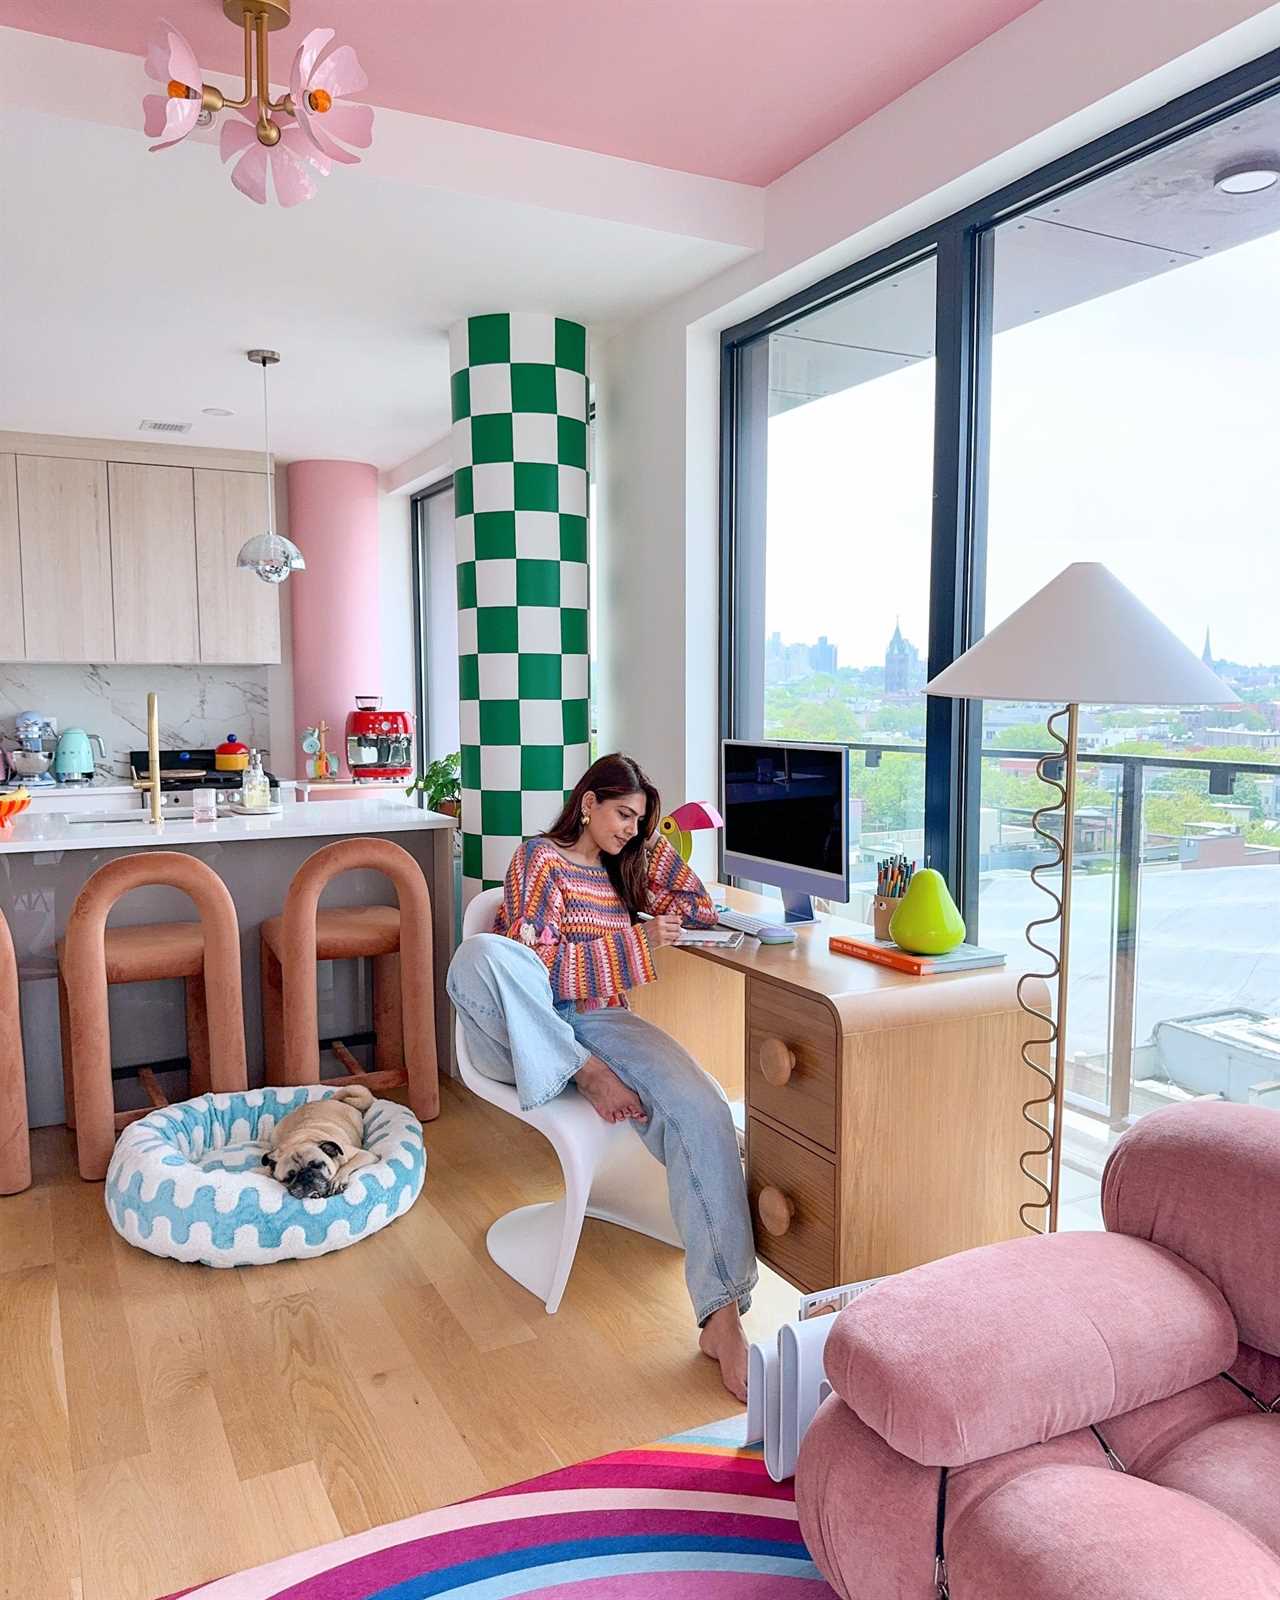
x: 721, y: 938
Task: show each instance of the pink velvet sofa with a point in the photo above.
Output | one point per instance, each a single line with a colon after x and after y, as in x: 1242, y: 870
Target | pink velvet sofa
x: 1079, y: 1415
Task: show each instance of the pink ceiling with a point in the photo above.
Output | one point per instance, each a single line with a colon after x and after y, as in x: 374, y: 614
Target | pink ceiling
x: 740, y: 89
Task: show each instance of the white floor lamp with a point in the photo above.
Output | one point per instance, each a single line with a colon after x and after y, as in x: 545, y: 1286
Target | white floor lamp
x: 1084, y: 639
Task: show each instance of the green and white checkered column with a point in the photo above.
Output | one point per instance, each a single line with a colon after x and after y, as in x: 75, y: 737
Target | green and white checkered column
x: 519, y: 387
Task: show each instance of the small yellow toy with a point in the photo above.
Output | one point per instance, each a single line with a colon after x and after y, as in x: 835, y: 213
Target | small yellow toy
x: 679, y: 826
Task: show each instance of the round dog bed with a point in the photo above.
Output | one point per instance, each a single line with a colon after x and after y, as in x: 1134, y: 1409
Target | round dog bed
x: 187, y: 1181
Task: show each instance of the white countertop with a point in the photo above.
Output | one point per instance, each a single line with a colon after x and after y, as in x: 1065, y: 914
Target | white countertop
x: 56, y: 830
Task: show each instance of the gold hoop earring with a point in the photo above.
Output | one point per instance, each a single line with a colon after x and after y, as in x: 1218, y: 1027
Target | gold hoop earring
x: 586, y: 818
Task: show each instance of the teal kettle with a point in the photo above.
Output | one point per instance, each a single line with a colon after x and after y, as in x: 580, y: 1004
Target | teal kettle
x: 73, y: 762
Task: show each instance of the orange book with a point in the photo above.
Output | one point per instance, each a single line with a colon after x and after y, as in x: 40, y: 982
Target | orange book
x: 962, y: 959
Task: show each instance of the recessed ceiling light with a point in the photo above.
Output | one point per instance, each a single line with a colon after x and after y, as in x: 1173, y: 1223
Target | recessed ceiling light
x: 1247, y: 177
x: 217, y: 411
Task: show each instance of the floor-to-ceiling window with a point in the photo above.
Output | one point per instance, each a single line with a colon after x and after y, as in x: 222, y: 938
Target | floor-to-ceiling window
x: 436, y: 568
x: 1079, y: 368
x: 833, y: 552
x: 1133, y: 421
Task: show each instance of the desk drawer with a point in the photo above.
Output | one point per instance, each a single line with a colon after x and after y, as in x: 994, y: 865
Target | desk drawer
x: 791, y: 1061
x: 792, y: 1190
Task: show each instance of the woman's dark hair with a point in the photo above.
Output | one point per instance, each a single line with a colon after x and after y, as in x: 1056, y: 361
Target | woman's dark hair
x: 609, y: 778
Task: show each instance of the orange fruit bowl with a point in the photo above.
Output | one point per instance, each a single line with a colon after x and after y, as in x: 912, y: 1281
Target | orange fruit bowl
x: 13, y: 805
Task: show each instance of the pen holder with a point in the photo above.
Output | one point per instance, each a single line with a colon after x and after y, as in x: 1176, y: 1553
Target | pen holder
x: 882, y: 910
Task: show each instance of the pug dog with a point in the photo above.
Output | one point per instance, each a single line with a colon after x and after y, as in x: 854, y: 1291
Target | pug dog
x: 317, y: 1149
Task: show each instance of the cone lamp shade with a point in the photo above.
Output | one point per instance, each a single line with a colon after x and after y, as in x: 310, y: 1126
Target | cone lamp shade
x: 1083, y: 638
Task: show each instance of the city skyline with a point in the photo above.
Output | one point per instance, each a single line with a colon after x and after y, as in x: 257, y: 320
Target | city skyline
x: 1218, y: 662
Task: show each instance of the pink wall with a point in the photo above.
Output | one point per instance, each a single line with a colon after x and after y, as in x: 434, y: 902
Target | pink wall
x: 333, y: 519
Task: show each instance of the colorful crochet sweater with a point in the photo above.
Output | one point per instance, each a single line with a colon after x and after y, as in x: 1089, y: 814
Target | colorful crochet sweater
x: 570, y: 916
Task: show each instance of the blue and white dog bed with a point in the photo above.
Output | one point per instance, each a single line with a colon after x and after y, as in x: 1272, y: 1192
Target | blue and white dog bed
x: 187, y: 1181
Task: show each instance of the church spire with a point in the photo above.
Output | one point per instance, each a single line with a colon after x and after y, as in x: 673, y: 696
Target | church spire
x: 1206, y: 655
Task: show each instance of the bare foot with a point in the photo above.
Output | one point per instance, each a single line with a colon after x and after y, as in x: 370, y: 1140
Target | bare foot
x: 608, y: 1094
x: 723, y: 1340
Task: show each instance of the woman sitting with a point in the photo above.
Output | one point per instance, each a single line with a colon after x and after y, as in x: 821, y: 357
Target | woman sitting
x: 543, y: 1005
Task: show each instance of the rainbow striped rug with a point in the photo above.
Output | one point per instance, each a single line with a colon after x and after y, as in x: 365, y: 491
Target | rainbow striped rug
x: 692, y: 1516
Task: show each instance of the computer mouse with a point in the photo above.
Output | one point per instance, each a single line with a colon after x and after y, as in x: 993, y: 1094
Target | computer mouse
x: 776, y: 935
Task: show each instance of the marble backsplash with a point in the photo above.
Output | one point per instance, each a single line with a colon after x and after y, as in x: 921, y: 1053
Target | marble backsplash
x: 199, y: 706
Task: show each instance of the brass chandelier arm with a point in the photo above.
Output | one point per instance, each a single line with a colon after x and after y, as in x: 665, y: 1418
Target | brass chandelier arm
x: 1055, y: 1032
x: 214, y: 99
x: 248, y: 69
x: 268, y: 131
x: 257, y: 80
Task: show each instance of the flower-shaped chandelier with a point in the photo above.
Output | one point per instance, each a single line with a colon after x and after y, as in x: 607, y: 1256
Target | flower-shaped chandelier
x: 293, y: 138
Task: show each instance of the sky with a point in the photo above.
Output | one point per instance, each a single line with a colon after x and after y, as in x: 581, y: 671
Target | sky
x: 1140, y: 429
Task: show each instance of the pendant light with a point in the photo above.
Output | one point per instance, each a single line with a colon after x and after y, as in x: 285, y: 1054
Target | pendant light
x: 269, y: 554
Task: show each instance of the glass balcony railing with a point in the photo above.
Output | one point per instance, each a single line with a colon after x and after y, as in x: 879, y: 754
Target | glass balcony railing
x: 1175, y: 921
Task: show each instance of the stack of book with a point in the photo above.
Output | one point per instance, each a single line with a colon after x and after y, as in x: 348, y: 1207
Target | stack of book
x: 964, y: 958
x: 785, y: 1379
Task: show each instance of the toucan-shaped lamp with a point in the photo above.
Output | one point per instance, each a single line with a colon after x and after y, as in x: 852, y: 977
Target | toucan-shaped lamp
x: 679, y: 826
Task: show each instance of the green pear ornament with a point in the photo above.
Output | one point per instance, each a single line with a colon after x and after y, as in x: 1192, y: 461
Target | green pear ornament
x: 928, y: 922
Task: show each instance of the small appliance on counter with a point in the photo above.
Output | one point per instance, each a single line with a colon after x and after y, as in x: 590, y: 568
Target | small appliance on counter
x: 182, y: 771
x: 37, y: 736
x: 73, y: 761
x: 231, y: 755
x: 379, y: 743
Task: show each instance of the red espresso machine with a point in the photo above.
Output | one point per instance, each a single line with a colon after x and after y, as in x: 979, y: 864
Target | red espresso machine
x: 379, y: 743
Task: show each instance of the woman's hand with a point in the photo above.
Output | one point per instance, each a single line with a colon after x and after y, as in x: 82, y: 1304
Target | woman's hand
x: 663, y: 929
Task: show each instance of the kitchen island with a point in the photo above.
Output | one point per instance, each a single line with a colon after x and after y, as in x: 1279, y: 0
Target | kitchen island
x: 45, y: 859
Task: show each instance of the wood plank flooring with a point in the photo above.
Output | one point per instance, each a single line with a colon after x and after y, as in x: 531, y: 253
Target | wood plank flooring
x: 162, y: 1424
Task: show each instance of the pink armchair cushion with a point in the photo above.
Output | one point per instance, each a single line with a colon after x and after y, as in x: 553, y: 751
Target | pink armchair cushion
x: 1235, y: 1467
x: 1203, y: 1180
x: 866, y: 1513
x: 1059, y: 1532
x: 1016, y: 1343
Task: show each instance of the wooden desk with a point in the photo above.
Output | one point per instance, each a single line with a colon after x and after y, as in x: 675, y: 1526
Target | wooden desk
x: 883, y: 1112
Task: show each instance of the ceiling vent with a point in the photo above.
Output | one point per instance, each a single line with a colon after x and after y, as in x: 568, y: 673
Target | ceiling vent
x: 163, y: 427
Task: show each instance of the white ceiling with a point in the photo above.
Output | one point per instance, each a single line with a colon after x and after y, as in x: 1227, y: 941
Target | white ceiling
x: 133, y: 283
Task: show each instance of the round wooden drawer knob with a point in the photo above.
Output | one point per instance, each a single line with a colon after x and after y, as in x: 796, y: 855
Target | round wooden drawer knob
x: 774, y: 1210
x: 777, y: 1062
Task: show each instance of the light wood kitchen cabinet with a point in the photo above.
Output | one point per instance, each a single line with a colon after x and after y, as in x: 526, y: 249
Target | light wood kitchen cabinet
x: 153, y: 563
x: 65, y: 541
x: 130, y: 557
x: 13, y: 635
x: 239, y: 614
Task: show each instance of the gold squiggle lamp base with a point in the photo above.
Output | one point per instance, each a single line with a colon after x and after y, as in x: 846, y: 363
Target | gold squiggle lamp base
x: 1053, y: 1041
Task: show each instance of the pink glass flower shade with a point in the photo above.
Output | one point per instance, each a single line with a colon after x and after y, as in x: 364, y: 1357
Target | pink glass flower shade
x: 317, y: 88
x: 170, y: 60
x: 289, y: 161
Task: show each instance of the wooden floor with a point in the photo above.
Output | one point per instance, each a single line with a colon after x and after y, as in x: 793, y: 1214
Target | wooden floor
x: 163, y: 1424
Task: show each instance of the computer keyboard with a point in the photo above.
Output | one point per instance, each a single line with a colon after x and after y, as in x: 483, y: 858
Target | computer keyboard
x: 744, y: 923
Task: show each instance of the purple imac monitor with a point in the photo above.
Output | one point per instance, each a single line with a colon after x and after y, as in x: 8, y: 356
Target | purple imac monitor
x: 786, y: 819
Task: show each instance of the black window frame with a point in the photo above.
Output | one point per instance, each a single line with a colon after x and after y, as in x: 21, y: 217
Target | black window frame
x: 961, y: 245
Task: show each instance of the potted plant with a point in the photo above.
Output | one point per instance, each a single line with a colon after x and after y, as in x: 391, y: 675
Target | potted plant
x: 441, y: 786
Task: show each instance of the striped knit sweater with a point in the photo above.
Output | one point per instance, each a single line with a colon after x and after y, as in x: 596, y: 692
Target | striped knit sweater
x: 570, y: 916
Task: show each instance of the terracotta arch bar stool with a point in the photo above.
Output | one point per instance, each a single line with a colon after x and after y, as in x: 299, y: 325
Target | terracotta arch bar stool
x: 15, y: 1140
x: 91, y: 956
x: 399, y: 942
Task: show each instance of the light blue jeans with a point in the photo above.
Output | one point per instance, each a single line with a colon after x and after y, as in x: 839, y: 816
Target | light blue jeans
x: 519, y: 1034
